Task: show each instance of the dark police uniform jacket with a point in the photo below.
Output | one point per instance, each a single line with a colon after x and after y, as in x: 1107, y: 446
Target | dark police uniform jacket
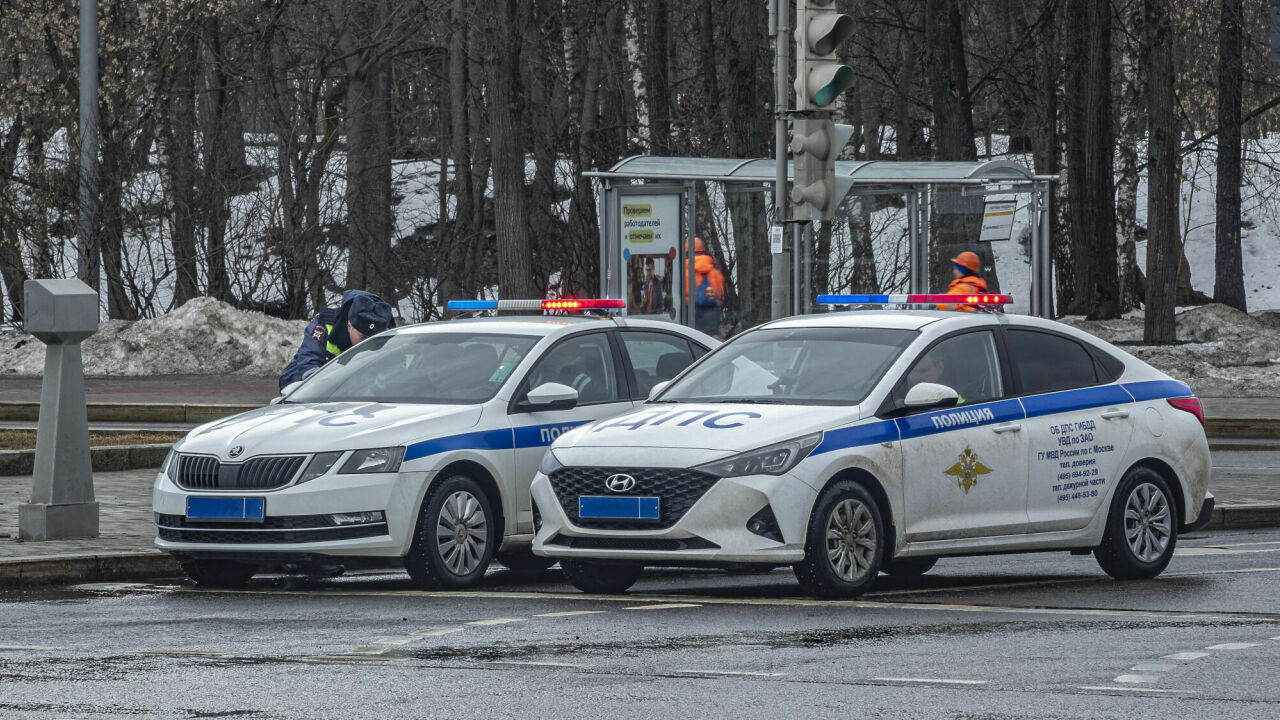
x: 326, y: 337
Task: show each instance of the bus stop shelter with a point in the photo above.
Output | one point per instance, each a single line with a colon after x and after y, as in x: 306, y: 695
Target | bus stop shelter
x: 649, y: 207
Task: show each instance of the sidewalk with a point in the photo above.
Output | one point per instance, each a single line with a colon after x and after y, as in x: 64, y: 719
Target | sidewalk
x: 166, y: 389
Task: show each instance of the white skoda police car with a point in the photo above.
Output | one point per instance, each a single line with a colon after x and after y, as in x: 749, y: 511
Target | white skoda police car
x: 416, y: 444
x: 851, y: 443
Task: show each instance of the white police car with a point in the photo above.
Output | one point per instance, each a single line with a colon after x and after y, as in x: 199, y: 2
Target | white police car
x: 846, y: 444
x: 418, y: 443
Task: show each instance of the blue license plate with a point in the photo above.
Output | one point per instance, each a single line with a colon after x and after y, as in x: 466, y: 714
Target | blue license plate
x: 618, y: 508
x: 226, y: 509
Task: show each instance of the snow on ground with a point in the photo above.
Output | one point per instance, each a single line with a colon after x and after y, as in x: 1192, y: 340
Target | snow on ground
x: 203, y: 337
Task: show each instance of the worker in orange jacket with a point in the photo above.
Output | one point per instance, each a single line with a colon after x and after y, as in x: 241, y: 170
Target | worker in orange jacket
x: 966, y: 280
x: 708, y: 290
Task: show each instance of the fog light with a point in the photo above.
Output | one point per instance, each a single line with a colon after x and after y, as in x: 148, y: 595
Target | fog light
x: 537, y: 517
x: 764, y: 524
x: 358, y: 518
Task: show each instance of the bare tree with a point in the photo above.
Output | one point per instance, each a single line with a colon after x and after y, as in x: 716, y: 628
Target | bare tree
x: 1228, y: 287
x: 1164, y: 239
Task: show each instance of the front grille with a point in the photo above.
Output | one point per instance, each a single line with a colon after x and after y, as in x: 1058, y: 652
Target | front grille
x: 626, y: 543
x: 349, y: 532
x: 202, y: 472
x: 271, y: 522
x: 677, y: 488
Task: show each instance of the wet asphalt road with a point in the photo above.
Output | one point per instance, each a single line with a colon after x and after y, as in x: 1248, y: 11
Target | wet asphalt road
x: 1022, y: 636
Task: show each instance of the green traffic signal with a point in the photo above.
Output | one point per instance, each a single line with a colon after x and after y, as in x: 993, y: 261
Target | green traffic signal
x: 841, y: 79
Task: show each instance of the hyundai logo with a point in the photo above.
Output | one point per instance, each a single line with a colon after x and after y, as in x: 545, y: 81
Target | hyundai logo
x: 235, y: 451
x: 619, y: 483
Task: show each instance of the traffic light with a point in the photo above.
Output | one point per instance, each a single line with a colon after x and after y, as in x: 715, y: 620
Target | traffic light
x: 815, y: 143
x: 820, y: 30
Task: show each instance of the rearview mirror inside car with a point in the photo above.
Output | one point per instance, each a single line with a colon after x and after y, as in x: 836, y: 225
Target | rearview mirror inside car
x: 930, y: 395
x: 550, y: 396
x: 657, y: 389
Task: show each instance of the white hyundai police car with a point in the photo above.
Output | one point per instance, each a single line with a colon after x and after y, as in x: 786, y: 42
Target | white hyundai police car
x: 416, y: 444
x: 847, y: 444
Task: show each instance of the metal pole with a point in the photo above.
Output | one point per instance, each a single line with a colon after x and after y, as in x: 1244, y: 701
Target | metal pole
x: 690, y: 285
x: 87, y: 240
x: 807, y: 296
x: 1046, y: 258
x: 797, y: 238
x: 781, y: 26
x: 913, y: 242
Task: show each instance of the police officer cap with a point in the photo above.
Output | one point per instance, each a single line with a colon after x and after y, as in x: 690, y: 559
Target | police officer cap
x: 368, y: 315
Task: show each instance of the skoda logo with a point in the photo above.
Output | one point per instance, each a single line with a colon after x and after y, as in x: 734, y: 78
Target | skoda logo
x: 235, y: 451
x: 619, y: 483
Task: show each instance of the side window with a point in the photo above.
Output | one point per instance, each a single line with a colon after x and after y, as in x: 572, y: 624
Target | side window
x: 1045, y: 363
x: 655, y: 357
x: 584, y: 363
x: 967, y: 363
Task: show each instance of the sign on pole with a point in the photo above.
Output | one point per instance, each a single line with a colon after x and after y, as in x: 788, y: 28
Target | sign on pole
x: 997, y: 220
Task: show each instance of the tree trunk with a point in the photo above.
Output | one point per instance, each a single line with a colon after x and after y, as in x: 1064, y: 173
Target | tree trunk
x: 368, y: 122
x: 506, y: 108
x: 458, y: 241
x: 1130, y: 132
x: 1164, y: 247
x: 657, y: 80
x: 181, y: 159
x: 1228, y: 286
x: 1099, y: 284
x: 222, y: 137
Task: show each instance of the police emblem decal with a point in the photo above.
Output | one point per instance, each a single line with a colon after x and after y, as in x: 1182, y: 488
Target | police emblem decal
x: 967, y: 470
x: 318, y: 334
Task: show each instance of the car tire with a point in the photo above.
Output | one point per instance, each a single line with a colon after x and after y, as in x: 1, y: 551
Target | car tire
x: 845, y: 565
x: 226, y: 574
x: 607, y: 578
x: 908, y: 568
x: 1142, y: 527
x: 524, y: 562
x: 455, y: 537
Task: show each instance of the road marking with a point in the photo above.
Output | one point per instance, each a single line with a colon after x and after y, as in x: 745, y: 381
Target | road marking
x: 436, y: 631
x: 1186, y: 656
x: 30, y: 647
x: 663, y: 606
x: 331, y: 659
x: 1152, y: 667
x: 535, y: 663
x: 934, y: 681
x: 1135, y: 678
x: 400, y: 640
x: 495, y: 621
x: 1233, y: 646
x: 731, y: 673
x: 185, y: 653
x: 570, y: 613
x: 1108, y: 688
x: 368, y: 650
x: 1212, y: 550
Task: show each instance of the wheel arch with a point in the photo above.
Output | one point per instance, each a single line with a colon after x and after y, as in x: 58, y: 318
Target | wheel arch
x: 873, y: 485
x: 484, y: 479
x: 1170, y: 476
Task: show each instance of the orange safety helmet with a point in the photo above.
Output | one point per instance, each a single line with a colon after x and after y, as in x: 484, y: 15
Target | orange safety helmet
x: 967, y: 260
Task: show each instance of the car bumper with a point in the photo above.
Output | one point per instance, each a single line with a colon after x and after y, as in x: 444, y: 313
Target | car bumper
x: 297, y: 518
x: 713, y: 530
x: 1206, y: 514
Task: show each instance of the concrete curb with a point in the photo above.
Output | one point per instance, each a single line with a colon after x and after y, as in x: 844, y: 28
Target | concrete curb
x: 105, y: 567
x: 105, y: 458
x: 1251, y: 428
x: 134, y: 412
x: 1244, y: 515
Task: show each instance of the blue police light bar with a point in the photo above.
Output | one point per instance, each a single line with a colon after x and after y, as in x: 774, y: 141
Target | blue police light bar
x: 916, y: 299
x: 472, y: 305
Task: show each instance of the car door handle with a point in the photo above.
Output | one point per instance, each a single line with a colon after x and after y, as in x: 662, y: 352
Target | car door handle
x: 1115, y: 413
x: 1007, y: 427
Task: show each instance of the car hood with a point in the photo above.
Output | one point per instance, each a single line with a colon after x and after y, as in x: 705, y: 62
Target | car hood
x: 314, y: 427
x: 727, y: 427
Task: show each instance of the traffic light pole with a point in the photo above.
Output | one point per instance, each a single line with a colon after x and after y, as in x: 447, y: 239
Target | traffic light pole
x: 780, y: 25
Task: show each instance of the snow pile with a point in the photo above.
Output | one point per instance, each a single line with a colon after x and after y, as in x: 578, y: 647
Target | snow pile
x: 203, y: 337
x: 1221, y: 352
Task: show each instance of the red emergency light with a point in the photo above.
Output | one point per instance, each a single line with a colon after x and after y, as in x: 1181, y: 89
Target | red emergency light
x: 584, y: 304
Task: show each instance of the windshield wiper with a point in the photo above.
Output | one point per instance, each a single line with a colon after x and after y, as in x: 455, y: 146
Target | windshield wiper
x: 750, y: 401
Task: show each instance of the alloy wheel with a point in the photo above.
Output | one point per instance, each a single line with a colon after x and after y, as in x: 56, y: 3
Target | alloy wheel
x: 1148, y: 524
x: 851, y: 540
x: 461, y: 533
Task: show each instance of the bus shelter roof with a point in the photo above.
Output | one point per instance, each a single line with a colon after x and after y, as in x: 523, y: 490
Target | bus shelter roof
x: 859, y: 172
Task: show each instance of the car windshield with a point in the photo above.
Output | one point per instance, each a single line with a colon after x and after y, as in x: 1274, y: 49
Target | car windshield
x: 797, y: 366
x: 436, y: 367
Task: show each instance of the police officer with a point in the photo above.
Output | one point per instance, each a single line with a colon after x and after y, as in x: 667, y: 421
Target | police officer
x: 333, y: 330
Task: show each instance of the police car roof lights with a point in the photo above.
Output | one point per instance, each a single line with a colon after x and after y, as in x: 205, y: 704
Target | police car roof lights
x: 563, y: 305
x: 986, y: 300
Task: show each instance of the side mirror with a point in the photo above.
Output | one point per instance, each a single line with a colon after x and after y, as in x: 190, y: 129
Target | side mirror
x: 287, y: 389
x: 931, y: 395
x: 276, y: 400
x: 657, y: 389
x: 550, y: 396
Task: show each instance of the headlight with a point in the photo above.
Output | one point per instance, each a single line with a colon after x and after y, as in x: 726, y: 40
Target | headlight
x: 318, y: 466
x: 170, y: 466
x: 771, y: 460
x: 380, y: 460
x: 550, y: 463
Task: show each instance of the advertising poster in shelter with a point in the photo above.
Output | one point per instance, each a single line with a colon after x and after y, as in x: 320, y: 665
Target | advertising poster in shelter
x: 650, y: 254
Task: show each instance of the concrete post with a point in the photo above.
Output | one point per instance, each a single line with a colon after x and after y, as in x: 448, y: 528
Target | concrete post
x: 61, y: 313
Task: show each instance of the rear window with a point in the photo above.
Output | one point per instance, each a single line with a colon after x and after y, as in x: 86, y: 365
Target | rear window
x: 1044, y: 362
